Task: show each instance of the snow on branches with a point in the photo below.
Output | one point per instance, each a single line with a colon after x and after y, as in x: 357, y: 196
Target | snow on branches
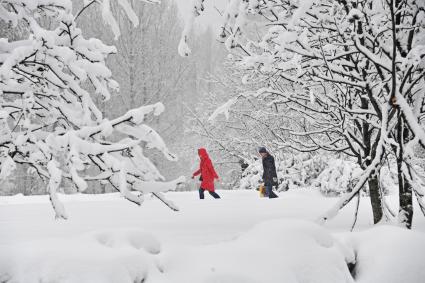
x: 48, y: 118
x: 339, y: 65
x: 108, y: 16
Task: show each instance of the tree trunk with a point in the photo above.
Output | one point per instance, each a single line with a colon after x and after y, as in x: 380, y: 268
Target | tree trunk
x: 405, y: 212
x: 375, y: 198
x: 373, y: 181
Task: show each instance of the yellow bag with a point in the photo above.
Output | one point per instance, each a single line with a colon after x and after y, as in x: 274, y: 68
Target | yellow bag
x: 262, y: 191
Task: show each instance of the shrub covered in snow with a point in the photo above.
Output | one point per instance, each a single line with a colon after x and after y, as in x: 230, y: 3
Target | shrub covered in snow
x: 293, y: 171
x: 331, y: 176
x: 339, y: 176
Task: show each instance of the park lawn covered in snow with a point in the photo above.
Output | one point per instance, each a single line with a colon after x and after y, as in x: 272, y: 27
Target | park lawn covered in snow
x: 239, y: 238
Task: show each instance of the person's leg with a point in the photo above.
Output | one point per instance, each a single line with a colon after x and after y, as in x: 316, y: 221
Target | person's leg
x: 201, y: 193
x: 214, y: 194
x: 270, y: 192
x: 267, y: 189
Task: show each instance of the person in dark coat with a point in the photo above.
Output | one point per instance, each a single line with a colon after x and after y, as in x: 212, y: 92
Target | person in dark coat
x: 208, y: 174
x: 269, y: 172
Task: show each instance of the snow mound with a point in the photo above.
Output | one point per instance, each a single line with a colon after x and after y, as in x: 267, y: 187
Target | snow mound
x: 280, y: 250
x: 132, y: 239
x: 125, y: 255
x: 274, y: 251
x: 388, y: 254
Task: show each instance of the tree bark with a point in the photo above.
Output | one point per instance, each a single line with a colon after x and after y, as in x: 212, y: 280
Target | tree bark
x: 405, y: 212
x: 373, y: 181
x: 375, y: 198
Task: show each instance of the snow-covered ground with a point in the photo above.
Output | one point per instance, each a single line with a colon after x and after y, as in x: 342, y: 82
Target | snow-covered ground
x: 239, y: 238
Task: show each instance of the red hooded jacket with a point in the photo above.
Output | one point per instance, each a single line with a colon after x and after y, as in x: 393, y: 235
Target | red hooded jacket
x: 206, y: 170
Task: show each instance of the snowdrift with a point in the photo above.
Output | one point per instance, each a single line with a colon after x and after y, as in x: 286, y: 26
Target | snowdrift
x: 281, y: 250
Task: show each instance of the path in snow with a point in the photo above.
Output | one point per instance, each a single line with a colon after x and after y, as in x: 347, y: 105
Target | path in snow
x: 208, y: 221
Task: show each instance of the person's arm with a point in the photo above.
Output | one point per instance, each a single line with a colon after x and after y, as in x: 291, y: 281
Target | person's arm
x: 215, y: 173
x: 196, y: 173
x: 274, y: 171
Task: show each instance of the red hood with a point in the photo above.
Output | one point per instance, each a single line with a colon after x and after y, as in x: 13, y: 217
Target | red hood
x: 202, y: 152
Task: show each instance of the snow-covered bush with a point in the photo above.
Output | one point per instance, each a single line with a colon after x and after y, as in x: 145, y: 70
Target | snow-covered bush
x: 292, y: 172
x: 48, y: 118
x: 340, y: 176
x: 252, y: 176
x: 300, y: 170
x: 332, y: 176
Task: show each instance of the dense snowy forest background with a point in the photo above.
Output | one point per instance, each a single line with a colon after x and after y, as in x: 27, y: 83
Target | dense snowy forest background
x: 148, y: 69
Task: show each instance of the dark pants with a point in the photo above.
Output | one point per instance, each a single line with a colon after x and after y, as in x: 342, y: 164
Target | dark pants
x: 269, y: 192
x: 201, y: 193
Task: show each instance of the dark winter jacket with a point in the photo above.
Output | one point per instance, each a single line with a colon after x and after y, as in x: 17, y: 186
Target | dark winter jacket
x: 206, y: 169
x: 269, y: 173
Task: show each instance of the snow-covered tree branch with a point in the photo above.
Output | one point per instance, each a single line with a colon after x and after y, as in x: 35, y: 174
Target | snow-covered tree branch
x: 48, y: 117
x: 333, y: 64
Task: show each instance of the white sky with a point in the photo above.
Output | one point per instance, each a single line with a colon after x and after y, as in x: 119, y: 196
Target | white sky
x: 210, y: 17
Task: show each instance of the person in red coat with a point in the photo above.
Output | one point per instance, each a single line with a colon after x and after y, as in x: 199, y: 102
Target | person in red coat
x: 208, y: 174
